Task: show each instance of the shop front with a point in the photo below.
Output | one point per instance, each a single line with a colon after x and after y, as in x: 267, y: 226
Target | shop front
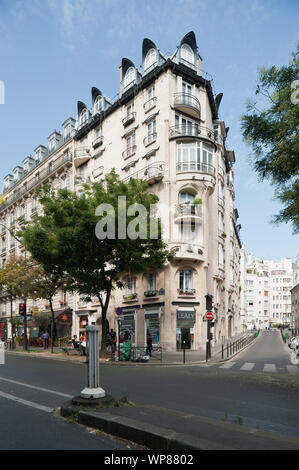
x: 185, y: 328
x: 3, y: 330
x: 127, y: 327
x: 152, y: 325
x: 85, y: 318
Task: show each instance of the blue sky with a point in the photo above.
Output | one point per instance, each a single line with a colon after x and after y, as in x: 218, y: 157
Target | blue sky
x: 53, y: 51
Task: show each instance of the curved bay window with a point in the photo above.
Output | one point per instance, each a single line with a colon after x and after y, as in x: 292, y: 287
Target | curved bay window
x: 195, y: 156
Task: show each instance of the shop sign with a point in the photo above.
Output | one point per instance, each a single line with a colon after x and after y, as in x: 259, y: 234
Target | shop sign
x: 186, y: 315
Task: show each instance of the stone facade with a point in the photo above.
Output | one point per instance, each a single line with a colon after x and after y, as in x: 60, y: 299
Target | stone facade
x: 163, y: 127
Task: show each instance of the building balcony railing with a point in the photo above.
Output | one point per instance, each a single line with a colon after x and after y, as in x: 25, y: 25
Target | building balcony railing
x: 152, y: 173
x: 187, y: 292
x: 82, y: 156
x: 191, y: 131
x: 191, y: 167
x: 187, y: 251
x: 130, y: 297
x: 188, y: 212
x: 149, y: 139
x: 150, y: 293
x: 187, y: 103
x: 150, y: 104
x: 128, y: 119
x: 129, y: 151
x: 98, y: 142
x: 31, y: 184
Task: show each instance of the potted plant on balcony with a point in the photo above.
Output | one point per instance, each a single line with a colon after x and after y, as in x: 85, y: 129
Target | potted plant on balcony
x: 130, y: 296
x: 198, y: 201
x: 223, y: 234
x: 150, y: 293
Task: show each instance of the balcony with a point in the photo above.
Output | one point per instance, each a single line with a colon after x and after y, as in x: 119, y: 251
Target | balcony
x: 149, y: 139
x: 192, y: 167
x: 130, y: 297
x: 187, y: 103
x: 98, y: 142
x: 128, y: 119
x: 150, y: 294
x: 153, y: 173
x: 129, y: 151
x: 187, y: 251
x: 150, y: 104
x: 81, y: 156
x: 186, y: 292
x: 191, y: 131
x: 188, y: 213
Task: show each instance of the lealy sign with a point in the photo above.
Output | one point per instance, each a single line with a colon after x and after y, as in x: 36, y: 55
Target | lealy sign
x: 186, y: 315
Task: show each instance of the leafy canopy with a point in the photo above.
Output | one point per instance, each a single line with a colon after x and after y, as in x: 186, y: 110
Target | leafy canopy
x: 272, y: 133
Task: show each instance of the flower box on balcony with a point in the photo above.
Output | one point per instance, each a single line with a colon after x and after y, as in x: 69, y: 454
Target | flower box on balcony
x: 186, y: 292
x: 130, y: 296
x: 150, y: 293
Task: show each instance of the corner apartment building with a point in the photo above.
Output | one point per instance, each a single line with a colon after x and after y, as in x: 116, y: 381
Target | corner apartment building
x: 268, y: 296
x: 163, y: 127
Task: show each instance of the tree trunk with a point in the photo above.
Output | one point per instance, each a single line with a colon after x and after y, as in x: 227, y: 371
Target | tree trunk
x: 103, y: 352
x: 25, y: 345
x: 52, y: 325
x: 11, y: 319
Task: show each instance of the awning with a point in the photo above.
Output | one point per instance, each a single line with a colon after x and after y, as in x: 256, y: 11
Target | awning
x: 62, y: 317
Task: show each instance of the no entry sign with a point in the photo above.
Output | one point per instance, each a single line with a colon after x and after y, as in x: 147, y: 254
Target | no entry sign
x: 209, y: 316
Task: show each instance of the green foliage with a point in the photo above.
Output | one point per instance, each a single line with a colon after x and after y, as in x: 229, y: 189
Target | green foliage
x: 63, y: 240
x: 273, y: 135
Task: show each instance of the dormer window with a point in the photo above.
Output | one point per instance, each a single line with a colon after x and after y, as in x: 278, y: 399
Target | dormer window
x: 150, y: 58
x: 83, y: 117
x: 187, y: 54
x: 67, y: 132
x: 130, y: 77
x: 52, y: 145
x: 98, y: 105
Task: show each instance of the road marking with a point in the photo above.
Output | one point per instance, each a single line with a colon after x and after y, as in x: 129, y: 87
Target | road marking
x: 40, y: 389
x: 248, y: 366
x: 293, y: 369
x: 269, y: 368
x: 26, y: 402
x: 228, y: 365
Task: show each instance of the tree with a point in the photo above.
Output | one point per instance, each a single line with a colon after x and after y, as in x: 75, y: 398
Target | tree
x: 273, y: 135
x: 64, y: 239
x: 17, y: 279
x: 46, y: 285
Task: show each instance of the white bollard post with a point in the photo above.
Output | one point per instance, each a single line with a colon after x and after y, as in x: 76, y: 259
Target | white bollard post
x: 2, y: 353
x: 93, y: 389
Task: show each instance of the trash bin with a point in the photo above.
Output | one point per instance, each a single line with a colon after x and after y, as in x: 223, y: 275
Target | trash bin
x: 286, y: 336
x: 256, y: 334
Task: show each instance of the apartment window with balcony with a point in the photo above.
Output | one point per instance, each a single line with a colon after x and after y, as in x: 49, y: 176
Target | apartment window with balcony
x: 151, y: 284
x: 130, y: 288
x: 186, y: 281
x: 195, y: 156
x: 129, y: 114
x: 151, y: 133
x: 130, y: 145
x: 150, y: 99
x: 34, y: 205
x: 4, y: 309
x: 63, y: 182
x: 3, y: 243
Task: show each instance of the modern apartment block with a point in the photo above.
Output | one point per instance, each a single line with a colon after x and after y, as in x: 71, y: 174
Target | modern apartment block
x: 163, y: 127
x: 268, y: 296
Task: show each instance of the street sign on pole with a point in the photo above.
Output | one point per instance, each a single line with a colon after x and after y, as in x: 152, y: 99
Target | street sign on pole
x: 209, y: 315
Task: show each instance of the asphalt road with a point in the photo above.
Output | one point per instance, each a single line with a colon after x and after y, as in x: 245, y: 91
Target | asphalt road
x: 259, y: 396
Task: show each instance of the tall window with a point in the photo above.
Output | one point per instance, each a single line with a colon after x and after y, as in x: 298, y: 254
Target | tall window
x: 186, y: 197
x: 188, y: 156
x: 131, y: 285
x: 187, y: 53
x: 98, y: 105
x: 67, y: 132
x: 131, y: 144
x: 220, y: 255
x: 185, y: 279
x: 150, y: 58
x: 151, y: 131
x: 83, y: 118
x: 151, y: 281
x: 130, y: 77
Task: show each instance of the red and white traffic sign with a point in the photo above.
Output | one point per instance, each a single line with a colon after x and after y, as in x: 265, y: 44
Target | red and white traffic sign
x: 209, y: 316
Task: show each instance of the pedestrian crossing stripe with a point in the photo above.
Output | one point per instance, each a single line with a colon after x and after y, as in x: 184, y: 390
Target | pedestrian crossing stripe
x: 249, y: 366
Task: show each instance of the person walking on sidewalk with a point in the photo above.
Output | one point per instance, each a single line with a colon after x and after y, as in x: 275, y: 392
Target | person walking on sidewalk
x: 149, y: 344
x: 46, y: 337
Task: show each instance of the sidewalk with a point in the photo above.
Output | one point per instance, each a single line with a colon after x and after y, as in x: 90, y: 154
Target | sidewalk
x: 169, y: 358
x: 164, y: 429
